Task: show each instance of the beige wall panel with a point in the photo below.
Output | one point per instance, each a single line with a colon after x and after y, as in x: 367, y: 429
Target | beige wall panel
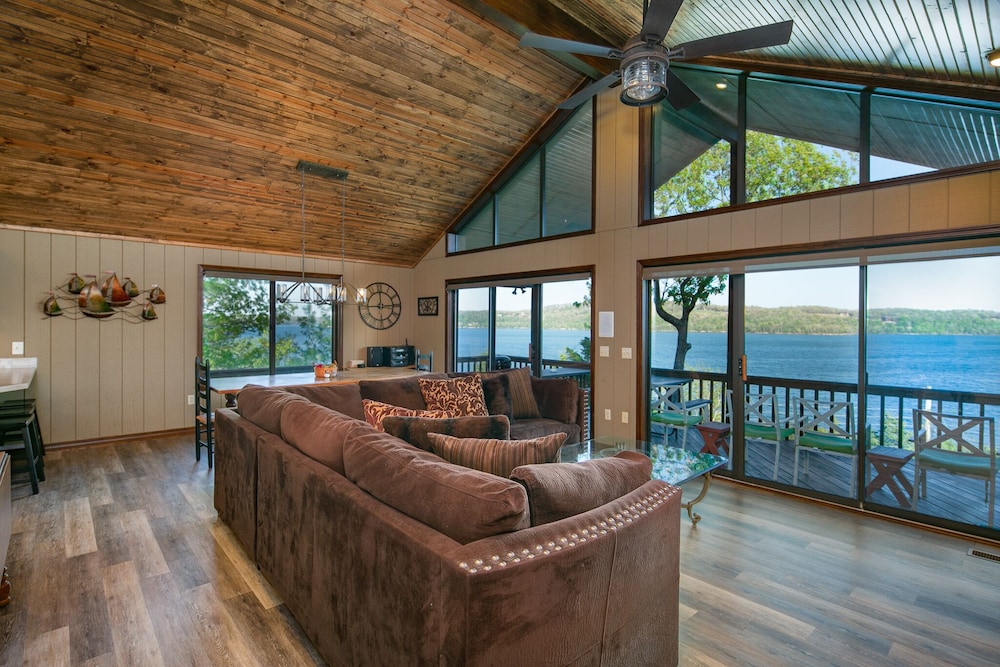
x: 640, y: 242
x: 857, y: 215
x: 12, y: 299
x: 720, y: 232
x: 794, y: 222
x: 969, y: 200
x: 212, y: 257
x: 744, y: 229
x: 88, y: 347
x: 154, y: 336
x: 193, y: 259
x: 767, y: 226
x: 891, y: 210
x: 37, y: 328
x: 63, y: 334
x: 928, y: 206
x: 995, y: 197
x: 659, y: 239
x: 697, y: 240
x: 110, y: 377
x: 824, y: 219
x: 677, y: 238
x: 133, y: 354
x: 174, y: 327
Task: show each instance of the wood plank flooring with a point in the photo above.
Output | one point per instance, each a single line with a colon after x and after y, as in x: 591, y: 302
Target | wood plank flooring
x: 122, y: 561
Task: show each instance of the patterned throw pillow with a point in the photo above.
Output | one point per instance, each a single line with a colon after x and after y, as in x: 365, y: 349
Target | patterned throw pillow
x: 376, y: 411
x: 498, y: 457
x: 460, y: 397
x: 522, y: 398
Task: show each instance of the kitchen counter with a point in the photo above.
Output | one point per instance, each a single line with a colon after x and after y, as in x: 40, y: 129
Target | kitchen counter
x: 17, y: 374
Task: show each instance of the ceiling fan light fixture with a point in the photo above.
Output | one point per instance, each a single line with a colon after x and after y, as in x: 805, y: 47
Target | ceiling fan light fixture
x: 644, y: 79
x: 993, y: 57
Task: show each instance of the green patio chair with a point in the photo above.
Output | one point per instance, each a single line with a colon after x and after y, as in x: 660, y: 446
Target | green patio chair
x: 956, y: 445
x: 824, y: 427
x: 761, y: 423
x: 668, y: 408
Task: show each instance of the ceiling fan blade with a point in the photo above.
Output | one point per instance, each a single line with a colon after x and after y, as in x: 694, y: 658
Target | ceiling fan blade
x: 575, y: 100
x: 659, y: 17
x: 741, y: 40
x: 679, y: 95
x: 569, y: 46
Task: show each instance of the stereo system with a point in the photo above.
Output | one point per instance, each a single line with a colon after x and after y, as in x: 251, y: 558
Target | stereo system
x: 400, y: 355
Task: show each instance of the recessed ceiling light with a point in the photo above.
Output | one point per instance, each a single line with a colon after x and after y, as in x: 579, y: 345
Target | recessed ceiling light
x: 721, y: 85
x: 993, y: 57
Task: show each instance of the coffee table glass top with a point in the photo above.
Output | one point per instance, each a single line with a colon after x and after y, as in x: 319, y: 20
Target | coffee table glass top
x: 672, y: 465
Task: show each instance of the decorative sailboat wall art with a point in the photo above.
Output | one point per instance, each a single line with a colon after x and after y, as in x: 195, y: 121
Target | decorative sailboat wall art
x: 82, y: 296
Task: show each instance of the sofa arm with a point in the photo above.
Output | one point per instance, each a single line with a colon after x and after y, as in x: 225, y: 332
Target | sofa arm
x: 600, y: 587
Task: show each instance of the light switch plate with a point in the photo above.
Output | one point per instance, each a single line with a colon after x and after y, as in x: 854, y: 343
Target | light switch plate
x: 624, y: 417
x: 605, y: 351
x: 17, y: 347
x: 626, y: 353
x: 607, y: 414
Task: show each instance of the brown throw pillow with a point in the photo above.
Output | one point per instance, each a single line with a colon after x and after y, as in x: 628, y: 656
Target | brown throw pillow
x: 521, y: 397
x: 558, y: 490
x: 496, y: 391
x: 498, y: 457
x: 414, y: 430
x: 461, y: 396
x: 464, y: 504
x: 376, y: 411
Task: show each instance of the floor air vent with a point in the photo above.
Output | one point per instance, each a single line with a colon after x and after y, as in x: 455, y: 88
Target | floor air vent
x: 979, y: 553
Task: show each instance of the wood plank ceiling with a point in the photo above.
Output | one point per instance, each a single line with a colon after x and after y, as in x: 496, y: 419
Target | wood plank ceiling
x: 183, y: 120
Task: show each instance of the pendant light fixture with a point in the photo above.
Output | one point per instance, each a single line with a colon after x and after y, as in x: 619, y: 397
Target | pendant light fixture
x: 308, y: 292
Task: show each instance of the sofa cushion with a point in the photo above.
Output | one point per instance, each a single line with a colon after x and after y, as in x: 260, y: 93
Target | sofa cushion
x: 461, y: 396
x: 376, y: 411
x: 522, y: 399
x: 526, y: 429
x: 264, y: 405
x: 498, y: 457
x: 414, y: 430
x: 496, y: 393
x: 404, y: 392
x: 318, y: 432
x: 558, y: 490
x: 557, y: 398
x: 345, y: 398
x: 464, y: 504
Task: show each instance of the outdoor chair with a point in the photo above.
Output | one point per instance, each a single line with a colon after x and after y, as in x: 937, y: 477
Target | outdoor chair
x: 824, y: 427
x: 956, y: 445
x: 761, y: 423
x: 204, y: 428
x: 667, y: 407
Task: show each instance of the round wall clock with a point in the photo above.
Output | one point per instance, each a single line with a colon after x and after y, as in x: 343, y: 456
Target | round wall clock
x: 383, y: 307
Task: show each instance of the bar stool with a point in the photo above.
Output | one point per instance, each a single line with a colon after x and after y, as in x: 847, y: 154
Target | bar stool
x: 17, y: 436
x: 24, y: 408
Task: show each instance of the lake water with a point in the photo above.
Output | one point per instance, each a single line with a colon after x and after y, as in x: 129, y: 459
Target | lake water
x: 953, y: 363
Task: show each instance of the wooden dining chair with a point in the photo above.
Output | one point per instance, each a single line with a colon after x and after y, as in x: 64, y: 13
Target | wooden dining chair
x: 204, y: 426
x: 960, y: 445
x: 425, y: 361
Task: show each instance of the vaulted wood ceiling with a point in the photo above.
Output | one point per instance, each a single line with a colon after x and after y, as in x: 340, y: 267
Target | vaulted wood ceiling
x: 183, y: 120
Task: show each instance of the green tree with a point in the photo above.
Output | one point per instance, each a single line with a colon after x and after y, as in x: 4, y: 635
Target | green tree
x: 583, y: 354
x: 776, y: 167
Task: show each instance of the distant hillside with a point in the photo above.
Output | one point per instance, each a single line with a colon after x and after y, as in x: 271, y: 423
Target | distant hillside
x: 788, y: 320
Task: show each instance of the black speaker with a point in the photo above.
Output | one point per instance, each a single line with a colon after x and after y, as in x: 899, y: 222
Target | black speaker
x: 376, y: 357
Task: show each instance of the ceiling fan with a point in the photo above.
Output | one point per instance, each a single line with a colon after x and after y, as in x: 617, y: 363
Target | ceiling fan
x: 644, y: 72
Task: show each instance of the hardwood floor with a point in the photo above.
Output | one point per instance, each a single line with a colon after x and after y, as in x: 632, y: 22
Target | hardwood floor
x: 121, y: 560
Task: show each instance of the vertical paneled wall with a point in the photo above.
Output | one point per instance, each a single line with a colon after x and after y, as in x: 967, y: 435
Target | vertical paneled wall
x: 108, y: 378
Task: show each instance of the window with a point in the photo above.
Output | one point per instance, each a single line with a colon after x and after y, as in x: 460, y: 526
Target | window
x: 549, y: 194
x: 246, y: 328
x: 801, y: 136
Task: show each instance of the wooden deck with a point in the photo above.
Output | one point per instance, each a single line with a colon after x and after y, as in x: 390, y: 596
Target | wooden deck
x: 948, y: 497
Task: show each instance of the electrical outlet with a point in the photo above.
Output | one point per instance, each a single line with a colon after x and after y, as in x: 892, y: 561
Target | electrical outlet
x: 190, y: 399
x: 626, y: 353
x: 605, y: 351
x: 624, y: 417
x: 17, y: 347
x: 607, y: 414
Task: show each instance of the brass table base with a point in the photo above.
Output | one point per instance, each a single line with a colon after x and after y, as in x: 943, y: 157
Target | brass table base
x: 694, y: 516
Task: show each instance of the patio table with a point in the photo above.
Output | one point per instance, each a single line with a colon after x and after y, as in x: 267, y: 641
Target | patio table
x: 888, y: 463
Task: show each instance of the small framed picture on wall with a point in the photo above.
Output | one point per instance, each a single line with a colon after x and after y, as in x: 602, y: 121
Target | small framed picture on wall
x: 427, y: 305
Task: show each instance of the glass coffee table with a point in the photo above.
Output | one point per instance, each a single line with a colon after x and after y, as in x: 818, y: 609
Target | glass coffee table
x: 672, y: 465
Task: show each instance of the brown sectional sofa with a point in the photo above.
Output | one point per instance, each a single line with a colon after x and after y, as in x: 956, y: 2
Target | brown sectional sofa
x: 388, y: 555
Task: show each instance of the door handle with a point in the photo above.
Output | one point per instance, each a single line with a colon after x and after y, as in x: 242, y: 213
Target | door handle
x: 743, y: 367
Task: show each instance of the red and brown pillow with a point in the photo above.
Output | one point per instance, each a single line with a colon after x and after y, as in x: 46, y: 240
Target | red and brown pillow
x: 460, y: 397
x: 498, y: 457
x: 376, y: 411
